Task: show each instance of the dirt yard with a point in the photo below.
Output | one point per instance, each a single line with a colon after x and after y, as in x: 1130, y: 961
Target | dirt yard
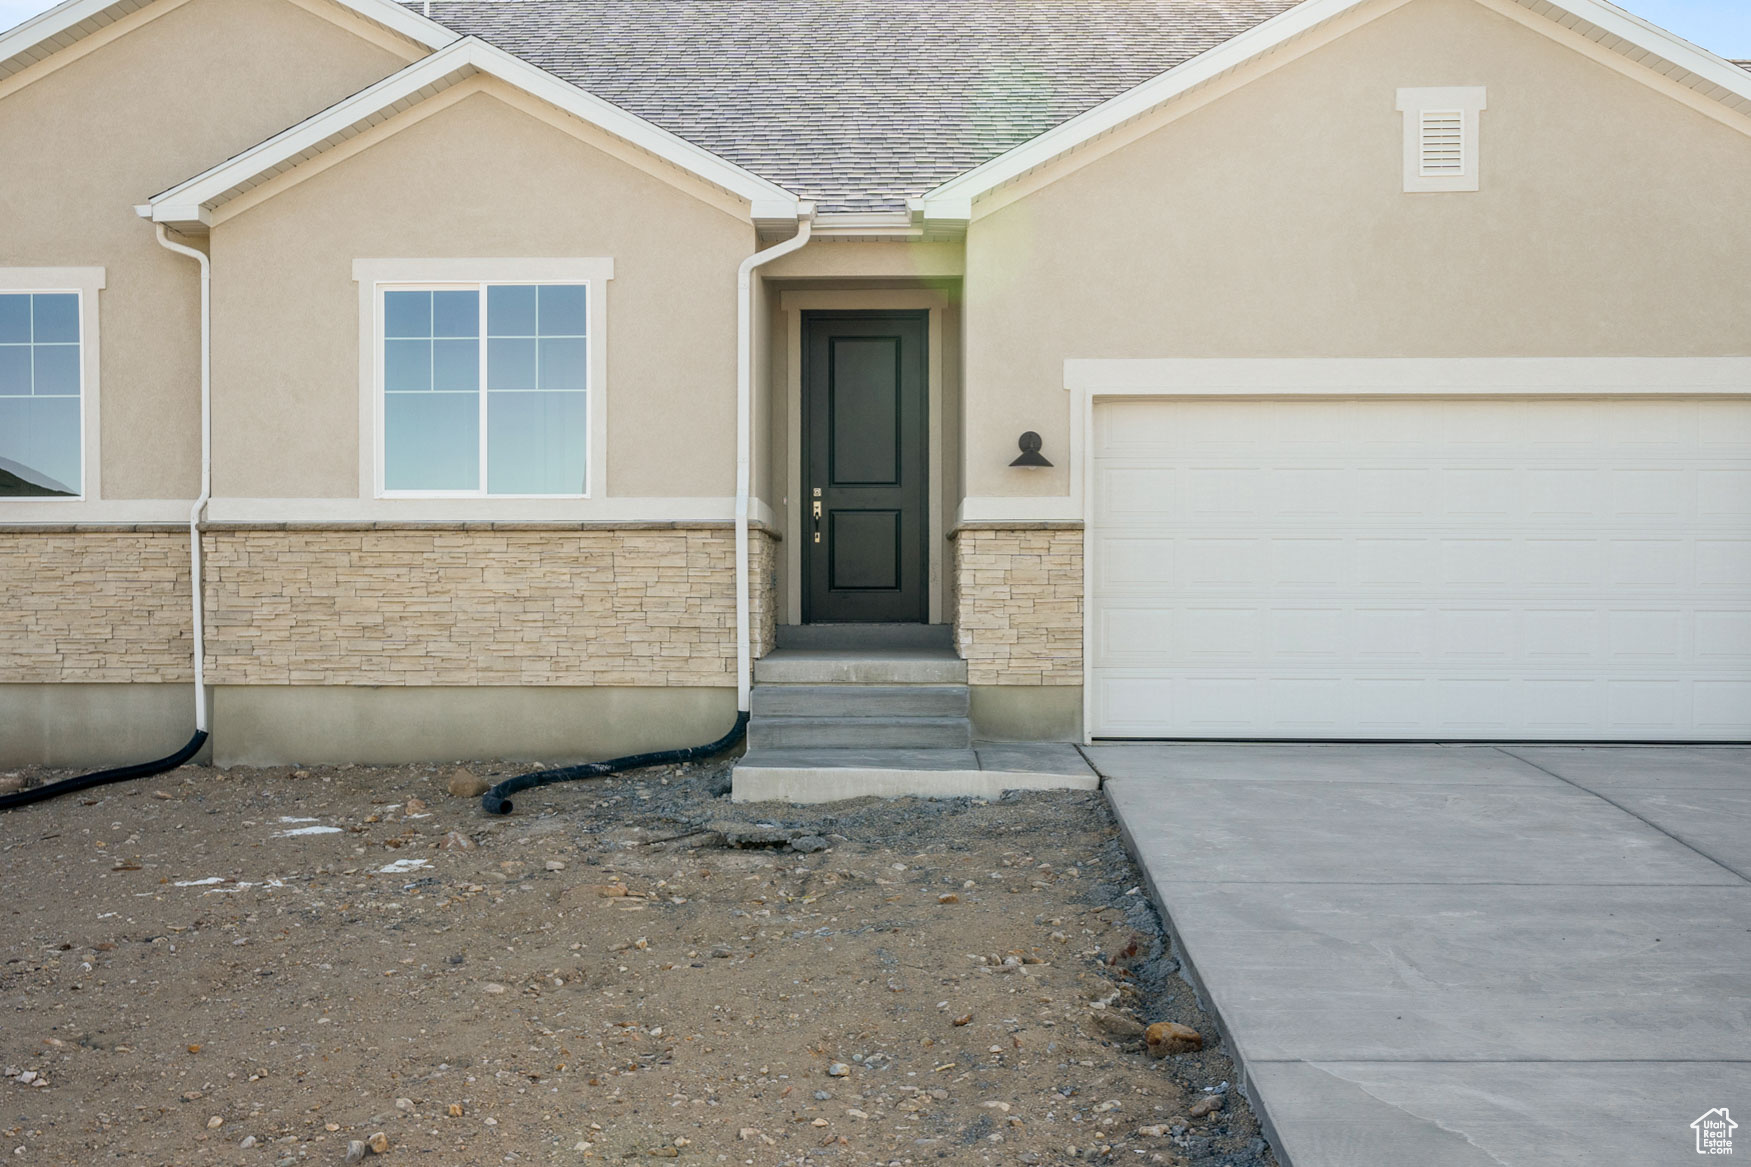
x: 263, y: 966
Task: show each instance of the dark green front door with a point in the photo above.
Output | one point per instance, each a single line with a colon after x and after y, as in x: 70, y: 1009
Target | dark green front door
x: 865, y: 455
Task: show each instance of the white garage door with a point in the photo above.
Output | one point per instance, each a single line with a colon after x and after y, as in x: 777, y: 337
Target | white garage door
x: 1443, y: 569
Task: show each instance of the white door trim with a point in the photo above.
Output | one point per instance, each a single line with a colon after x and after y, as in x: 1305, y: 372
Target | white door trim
x: 1093, y: 380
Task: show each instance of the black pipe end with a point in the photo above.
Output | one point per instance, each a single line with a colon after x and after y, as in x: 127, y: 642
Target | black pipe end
x: 492, y: 802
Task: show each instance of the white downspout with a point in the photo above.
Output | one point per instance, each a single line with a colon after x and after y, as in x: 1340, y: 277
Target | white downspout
x: 805, y: 219
x: 200, y: 504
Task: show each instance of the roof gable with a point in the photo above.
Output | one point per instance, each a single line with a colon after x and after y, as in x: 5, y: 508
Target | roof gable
x: 191, y: 204
x: 1604, y: 23
x: 68, y: 23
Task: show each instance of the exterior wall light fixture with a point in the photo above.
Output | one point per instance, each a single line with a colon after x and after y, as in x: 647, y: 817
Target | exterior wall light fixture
x: 1030, y: 451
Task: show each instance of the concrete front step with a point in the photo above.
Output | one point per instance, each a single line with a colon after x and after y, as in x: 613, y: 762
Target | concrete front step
x: 778, y: 733
x: 985, y: 771
x: 799, y: 666
x: 860, y: 701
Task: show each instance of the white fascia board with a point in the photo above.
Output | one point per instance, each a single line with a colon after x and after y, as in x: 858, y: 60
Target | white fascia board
x: 61, y: 20
x: 1611, y: 19
x: 469, y: 55
x: 953, y: 200
x: 405, y: 21
x: 65, y: 20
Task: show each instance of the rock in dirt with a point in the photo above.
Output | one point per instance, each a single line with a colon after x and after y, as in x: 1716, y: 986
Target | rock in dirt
x: 356, y: 1151
x: 1208, y: 1105
x: 379, y: 1143
x: 838, y: 1070
x: 465, y: 783
x: 1117, y: 1024
x: 738, y: 834
x: 457, y: 841
x: 1170, y: 1037
x: 11, y: 784
x: 808, y: 844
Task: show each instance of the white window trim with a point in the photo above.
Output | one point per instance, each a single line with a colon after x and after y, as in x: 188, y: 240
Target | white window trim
x: 374, y: 275
x: 1466, y: 101
x: 86, y: 282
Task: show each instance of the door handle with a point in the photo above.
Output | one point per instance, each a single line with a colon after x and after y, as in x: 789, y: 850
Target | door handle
x: 817, y: 514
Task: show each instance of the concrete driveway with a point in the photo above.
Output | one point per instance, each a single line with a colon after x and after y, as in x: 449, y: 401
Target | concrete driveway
x: 1460, y: 956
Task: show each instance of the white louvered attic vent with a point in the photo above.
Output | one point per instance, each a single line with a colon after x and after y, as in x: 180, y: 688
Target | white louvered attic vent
x: 1441, y: 138
x: 1442, y: 143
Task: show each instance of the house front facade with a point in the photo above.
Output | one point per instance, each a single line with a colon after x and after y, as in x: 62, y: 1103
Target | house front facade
x: 1342, y: 369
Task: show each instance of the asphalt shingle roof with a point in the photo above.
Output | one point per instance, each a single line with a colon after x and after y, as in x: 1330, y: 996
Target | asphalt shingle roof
x: 857, y: 104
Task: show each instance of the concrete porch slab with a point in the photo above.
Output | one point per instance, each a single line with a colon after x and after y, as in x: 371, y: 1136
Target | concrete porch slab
x: 1465, y: 965
x: 985, y: 771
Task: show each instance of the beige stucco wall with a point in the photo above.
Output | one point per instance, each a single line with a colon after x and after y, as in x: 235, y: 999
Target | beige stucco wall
x: 86, y: 141
x: 1612, y: 220
x: 476, y: 179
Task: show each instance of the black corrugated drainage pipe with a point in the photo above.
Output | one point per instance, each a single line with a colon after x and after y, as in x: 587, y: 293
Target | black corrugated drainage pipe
x: 105, y: 777
x: 498, y: 799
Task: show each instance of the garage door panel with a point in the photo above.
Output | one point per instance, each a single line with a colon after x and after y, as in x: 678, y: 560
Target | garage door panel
x: 1663, y: 494
x: 1473, y: 492
x: 1477, y: 634
x: 1724, y: 637
x: 1140, y: 491
x: 1134, y: 635
x: 1562, y: 708
x: 1723, y: 563
x: 1643, y: 636
x: 1568, y: 636
x: 1469, y: 562
x: 1394, y: 492
x: 1299, y: 491
x: 1648, y: 563
x: 1422, y: 569
x: 1221, y: 561
x: 1723, y: 427
x: 1560, y: 493
x: 1724, y: 494
x: 1217, y: 492
x: 1309, y: 634
x: 1720, y: 707
x: 1123, y: 565
x: 1561, y: 563
x: 1649, y: 708
x: 1309, y: 561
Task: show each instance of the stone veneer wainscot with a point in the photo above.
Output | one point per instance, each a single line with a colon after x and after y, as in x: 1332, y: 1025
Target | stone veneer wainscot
x: 95, y: 605
x: 481, y: 604
x: 1018, y: 616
